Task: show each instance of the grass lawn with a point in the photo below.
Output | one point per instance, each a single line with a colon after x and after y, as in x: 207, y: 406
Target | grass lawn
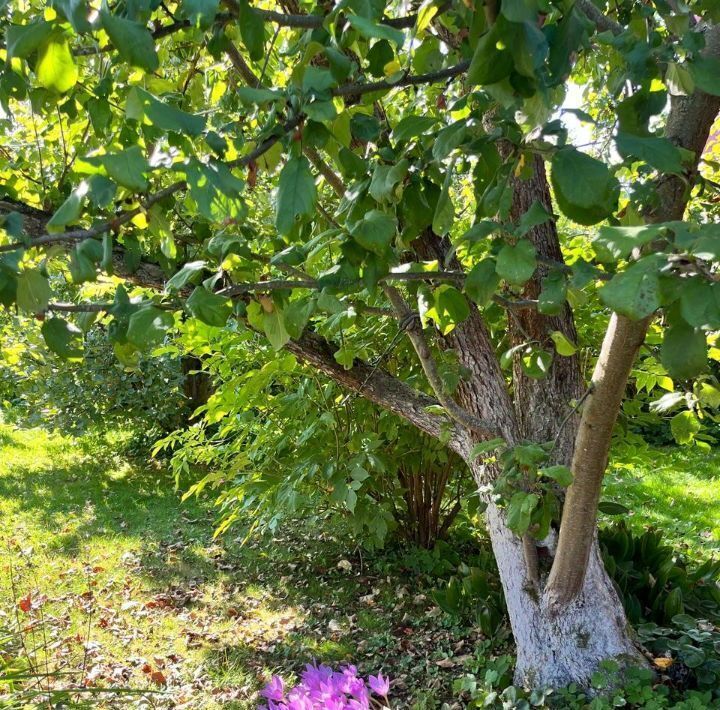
x: 128, y: 588
x: 140, y: 596
x: 676, y: 490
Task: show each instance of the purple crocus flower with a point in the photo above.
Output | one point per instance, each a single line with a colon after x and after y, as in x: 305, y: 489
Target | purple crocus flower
x: 321, y: 688
x: 275, y: 689
x: 379, y: 684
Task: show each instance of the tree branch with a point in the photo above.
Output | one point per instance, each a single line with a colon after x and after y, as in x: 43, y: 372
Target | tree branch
x: 124, y: 217
x: 688, y: 126
x: 377, y: 386
x: 601, y: 21
x: 282, y: 19
x: 432, y: 77
x: 249, y: 77
x: 411, y: 322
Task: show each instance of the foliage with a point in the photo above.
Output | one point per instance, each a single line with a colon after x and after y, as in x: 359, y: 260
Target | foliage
x: 101, y: 395
x: 135, y: 134
x: 277, y: 443
x: 655, y: 581
x: 363, y: 184
x: 639, y: 690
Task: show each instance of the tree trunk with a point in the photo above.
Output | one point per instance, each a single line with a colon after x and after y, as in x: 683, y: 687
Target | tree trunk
x: 554, y: 651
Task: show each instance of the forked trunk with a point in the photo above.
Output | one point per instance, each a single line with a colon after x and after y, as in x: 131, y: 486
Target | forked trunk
x: 554, y: 651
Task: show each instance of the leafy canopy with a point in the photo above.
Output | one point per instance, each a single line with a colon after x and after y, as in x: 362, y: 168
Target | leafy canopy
x: 228, y: 163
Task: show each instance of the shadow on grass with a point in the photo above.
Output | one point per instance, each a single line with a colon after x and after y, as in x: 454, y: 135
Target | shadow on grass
x: 243, y: 612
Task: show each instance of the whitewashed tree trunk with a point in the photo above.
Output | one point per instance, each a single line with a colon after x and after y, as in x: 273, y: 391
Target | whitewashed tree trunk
x: 568, y: 648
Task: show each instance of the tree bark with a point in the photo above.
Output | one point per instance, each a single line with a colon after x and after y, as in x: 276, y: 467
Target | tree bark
x: 554, y: 651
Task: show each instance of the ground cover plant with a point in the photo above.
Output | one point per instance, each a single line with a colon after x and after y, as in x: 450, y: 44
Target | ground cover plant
x: 404, y: 204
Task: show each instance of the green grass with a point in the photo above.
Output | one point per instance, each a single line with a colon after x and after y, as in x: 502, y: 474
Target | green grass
x: 676, y: 490
x: 135, y: 583
x: 134, y: 574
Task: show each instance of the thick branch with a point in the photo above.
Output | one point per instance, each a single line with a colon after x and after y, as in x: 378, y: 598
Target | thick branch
x: 688, y: 125
x: 413, y: 328
x: 378, y: 386
x: 602, y: 22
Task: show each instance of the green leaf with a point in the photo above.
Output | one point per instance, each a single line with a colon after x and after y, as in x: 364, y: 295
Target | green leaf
x: 69, y: 211
x: 55, y: 68
x: 660, y: 153
x: 372, y: 30
x: 563, y: 346
x: 201, y: 13
x: 209, y: 307
x: 492, y: 60
x: 700, y: 303
x: 708, y: 394
x: 520, y: 10
x: 375, y: 232
x: 63, y: 338
x: 684, y: 350
x: 536, y: 363
x: 535, y: 216
x: 22, y: 40
x: 585, y: 189
x: 614, y: 243
x: 76, y: 13
x: 186, y: 275
x: 259, y: 97
x: 684, y: 426
x: 482, y: 282
x: 33, y: 291
x: 609, y: 507
x: 553, y: 293
x: 132, y: 40
x: 127, y: 168
x: 296, y: 194
x: 705, y: 72
x: 274, y: 327
x: 562, y: 475
x: 165, y: 116
x: 485, y: 447
x: 448, y: 139
x: 216, y: 191
x: 252, y: 30
x: 413, y: 126
x: 297, y: 313
x: 679, y: 80
x: 516, y: 263
x: 450, y: 307
x: 148, y: 326
x: 635, y: 292
x: 520, y: 510
x: 427, y: 11
x: 385, y: 179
